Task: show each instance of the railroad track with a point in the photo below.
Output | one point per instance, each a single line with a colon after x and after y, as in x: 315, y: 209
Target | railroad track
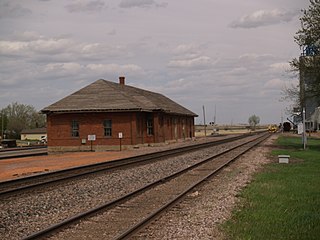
x: 8, y: 153
x: 22, y: 148
x: 126, y: 215
x: 18, y: 185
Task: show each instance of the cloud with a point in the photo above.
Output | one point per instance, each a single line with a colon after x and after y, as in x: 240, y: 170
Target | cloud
x: 280, y: 67
x: 190, y: 56
x: 112, y: 32
x: 86, y: 6
x: 69, y: 68
x: 26, y: 36
x: 193, y: 60
x: 249, y: 72
x: 249, y: 57
x: 11, y: 10
x: 276, y: 83
x: 140, y: 4
x: 187, y: 50
x: 39, y: 48
x: 194, y: 63
x: 115, y: 68
x: 239, y: 71
x: 264, y: 18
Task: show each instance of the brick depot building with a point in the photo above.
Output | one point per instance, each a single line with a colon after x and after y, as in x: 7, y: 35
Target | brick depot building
x: 98, y: 115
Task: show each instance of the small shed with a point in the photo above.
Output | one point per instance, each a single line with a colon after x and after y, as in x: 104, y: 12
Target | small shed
x: 34, y: 134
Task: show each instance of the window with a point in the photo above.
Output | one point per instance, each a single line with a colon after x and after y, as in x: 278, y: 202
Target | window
x: 149, y: 126
x: 161, y: 120
x: 107, y: 125
x: 74, y: 128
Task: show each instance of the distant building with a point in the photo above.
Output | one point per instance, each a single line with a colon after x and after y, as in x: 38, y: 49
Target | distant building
x: 314, y: 122
x: 309, y: 74
x: 100, y: 114
x: 34, y: 134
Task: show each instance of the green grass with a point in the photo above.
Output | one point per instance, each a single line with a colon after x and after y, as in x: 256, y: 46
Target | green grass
x: 283, y: 202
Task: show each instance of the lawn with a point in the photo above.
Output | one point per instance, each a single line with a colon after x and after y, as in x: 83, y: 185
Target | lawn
x: 283, y: 201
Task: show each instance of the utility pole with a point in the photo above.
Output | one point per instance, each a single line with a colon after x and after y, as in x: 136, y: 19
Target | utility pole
x: 204, y: 121
x: 215, y: 111
x: 281, y: 122
x: 2, y: 122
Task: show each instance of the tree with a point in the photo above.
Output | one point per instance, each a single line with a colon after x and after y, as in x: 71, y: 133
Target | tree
x: 253, y: 121
x: 309, y: 34
x: 291, y: 93
x: 21, y: 116
x: 308, y: 65
x: 3, y: 123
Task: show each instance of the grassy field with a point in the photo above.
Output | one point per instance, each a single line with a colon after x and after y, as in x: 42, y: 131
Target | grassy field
x: 224, y: 129
x: 283, y: 202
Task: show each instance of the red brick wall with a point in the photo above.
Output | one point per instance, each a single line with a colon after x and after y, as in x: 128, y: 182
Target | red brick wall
x: 59, y: 128
x: 131, y: 124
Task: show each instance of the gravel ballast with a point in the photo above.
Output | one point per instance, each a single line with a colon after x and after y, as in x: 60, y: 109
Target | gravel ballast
x: 21, y: 215
x: 201, y: 214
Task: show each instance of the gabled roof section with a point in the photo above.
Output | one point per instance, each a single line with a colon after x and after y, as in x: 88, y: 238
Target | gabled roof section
x: 106, y: 96
x: 34, y: 131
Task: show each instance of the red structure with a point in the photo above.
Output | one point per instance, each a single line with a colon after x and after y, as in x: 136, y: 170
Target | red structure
x: 98, y: 115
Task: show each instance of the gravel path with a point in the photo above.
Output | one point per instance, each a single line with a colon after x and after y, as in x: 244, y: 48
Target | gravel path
x: 21, y: 215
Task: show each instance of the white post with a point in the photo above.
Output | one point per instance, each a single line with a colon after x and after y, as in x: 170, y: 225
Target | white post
x: 304, y: 135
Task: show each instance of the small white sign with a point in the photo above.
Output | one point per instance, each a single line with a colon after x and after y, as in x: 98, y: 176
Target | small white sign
x: 120, y: 135
x: 283, y: 158
x: 300, y: 128
x: 91, y: 137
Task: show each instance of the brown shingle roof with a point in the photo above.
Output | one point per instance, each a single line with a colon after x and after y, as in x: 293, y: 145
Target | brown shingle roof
x: 34, y: 131
x: 108, y: 96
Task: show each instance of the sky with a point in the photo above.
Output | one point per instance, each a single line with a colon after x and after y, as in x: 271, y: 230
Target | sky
x: 232, y: 57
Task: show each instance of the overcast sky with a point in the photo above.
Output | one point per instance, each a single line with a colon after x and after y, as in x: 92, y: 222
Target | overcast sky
x: 225, y: 53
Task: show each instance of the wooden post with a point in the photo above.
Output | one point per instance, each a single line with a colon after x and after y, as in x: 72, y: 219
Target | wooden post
x: 120, y: 137
x: 204, y: 121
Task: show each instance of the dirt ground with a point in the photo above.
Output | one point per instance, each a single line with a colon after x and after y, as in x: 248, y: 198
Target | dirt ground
x: 19, y: 167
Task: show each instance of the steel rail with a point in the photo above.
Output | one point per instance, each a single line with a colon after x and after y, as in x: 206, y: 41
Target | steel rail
x: 138, y: 226
x: 39, y: 180
x: 21, y: 148
x: 63, y: 224
x: 23, y: 153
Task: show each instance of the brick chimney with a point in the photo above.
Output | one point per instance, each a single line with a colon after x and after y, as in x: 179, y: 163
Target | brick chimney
x: 122, y: 80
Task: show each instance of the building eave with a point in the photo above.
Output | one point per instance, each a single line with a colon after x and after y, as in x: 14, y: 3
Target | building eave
x: 64, y: 111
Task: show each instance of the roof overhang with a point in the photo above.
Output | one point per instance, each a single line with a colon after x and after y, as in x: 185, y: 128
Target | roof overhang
x: 64, y: 111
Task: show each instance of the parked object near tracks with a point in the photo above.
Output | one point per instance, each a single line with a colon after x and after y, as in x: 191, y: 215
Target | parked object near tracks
x: 8, y: 143
x: 286, y: 127
x: 273, y: 128
x: 34, y: 134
